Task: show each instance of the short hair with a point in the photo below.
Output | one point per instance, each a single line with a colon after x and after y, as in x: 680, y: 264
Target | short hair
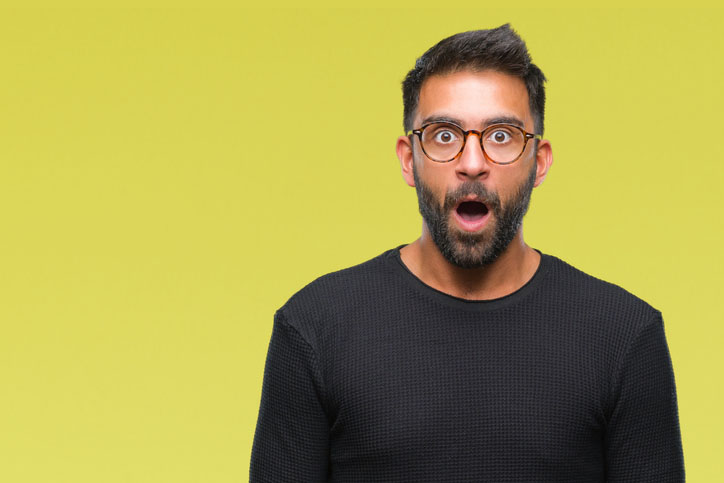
x: 500, y: 49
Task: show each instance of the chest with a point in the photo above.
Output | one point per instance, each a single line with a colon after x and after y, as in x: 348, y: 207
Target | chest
x: 419, y: 390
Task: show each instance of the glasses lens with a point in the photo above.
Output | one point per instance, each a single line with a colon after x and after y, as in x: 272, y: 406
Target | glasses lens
x: 442, y: 141
x: 503, y: 144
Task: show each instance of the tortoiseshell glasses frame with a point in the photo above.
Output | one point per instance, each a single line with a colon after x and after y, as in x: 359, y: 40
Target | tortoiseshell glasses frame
x: 481, y: 135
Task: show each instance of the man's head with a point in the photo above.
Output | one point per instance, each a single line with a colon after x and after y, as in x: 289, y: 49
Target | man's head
x: 473, y: 204
x: 499, y: 49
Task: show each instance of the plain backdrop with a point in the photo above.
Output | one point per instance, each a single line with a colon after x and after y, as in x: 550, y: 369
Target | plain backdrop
x: 168, y: 178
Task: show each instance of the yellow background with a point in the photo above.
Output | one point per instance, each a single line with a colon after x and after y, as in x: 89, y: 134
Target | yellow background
x: 169, y: 178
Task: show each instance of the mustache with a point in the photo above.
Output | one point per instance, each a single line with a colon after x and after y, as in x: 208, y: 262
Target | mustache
x: 453, y: 197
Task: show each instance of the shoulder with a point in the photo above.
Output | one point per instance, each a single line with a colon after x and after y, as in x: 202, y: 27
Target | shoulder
x: 595, y: 299
x: 604, y: 319
x: 337, y: 296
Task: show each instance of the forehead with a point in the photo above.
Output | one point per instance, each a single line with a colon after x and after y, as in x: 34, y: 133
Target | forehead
x: 473, y: 98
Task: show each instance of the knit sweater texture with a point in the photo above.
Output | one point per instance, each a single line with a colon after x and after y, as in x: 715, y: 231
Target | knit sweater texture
x: 373, y: 376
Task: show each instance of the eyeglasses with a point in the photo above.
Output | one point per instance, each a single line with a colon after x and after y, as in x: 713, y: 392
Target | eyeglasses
x: 443, y: 142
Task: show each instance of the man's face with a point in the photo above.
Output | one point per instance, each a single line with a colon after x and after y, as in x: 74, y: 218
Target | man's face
x: 473, y: 208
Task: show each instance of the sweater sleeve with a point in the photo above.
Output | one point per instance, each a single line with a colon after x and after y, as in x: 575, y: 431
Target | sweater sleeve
x: 292, y: 432
x: 643, y: 441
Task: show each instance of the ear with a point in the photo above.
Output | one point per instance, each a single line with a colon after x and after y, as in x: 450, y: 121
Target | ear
x: 543, y: 160
x: 404, y: 154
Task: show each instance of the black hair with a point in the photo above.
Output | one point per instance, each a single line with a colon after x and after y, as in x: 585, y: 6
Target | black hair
x: 500, y: 49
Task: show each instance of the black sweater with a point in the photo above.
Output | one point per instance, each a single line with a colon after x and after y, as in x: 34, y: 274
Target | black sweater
x: 373, y: 376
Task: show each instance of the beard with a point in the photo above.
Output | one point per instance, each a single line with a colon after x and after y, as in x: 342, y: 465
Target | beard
x: 473, y: 250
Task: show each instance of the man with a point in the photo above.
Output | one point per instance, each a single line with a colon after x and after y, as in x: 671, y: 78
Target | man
x: 467, y: 355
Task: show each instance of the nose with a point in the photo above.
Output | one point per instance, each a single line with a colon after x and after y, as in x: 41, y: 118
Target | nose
x: 471, y: 163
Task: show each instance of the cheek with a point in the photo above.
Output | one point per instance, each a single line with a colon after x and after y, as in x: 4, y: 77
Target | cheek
x: 437, y: 185
x: 430, y: 190
x: 431, y: 176
x: 511, y: 187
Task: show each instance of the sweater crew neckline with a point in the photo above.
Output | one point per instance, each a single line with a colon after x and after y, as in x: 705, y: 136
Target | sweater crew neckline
x: 426, y: 290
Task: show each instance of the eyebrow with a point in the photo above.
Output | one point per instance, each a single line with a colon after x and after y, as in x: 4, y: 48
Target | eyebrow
x: 487, y: 122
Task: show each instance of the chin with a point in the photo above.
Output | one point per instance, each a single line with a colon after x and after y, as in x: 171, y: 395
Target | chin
x: 473, y: 249
x: 465, y: 254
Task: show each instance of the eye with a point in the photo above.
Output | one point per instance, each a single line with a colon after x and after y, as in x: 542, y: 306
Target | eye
x: 444, y: 136
x: 500, y: 136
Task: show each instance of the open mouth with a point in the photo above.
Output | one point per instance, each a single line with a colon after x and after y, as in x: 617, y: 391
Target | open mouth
x: 472, y: 210
x: 472, y: 214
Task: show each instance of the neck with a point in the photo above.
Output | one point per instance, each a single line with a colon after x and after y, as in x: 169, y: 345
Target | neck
x: 508, y: 273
